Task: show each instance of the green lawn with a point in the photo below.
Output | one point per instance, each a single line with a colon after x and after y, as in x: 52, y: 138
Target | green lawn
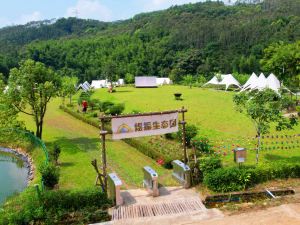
x: 80, y: 144
x: 212, y: 111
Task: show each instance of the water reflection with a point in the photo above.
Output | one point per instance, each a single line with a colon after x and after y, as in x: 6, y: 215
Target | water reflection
x: 13, y: 175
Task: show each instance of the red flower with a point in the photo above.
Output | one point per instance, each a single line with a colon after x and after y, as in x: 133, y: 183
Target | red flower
x: 160, y: 162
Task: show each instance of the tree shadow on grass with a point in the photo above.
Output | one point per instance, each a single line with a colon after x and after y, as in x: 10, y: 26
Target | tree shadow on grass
x: 75, y: 145
x: 66, y: 164
x: 278, y: 158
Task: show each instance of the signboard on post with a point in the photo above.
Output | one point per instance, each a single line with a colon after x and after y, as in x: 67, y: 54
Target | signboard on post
x: 144, y: 125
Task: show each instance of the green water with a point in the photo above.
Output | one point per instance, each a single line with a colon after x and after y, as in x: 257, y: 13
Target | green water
x: 13, y: 175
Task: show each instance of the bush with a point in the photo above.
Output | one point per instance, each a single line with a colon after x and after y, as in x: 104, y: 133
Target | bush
x: 236, y: 179
x: 227, y: 179
x: 208, y: 164
x: 84, y: 96
x: 57, y: 207
x: 50, y: 175
x: 115, y: 109
x: 191, y: 131
x: 54, y: 153
x: 104, y: 106
x: 94, y: 104
x: 202, y: 145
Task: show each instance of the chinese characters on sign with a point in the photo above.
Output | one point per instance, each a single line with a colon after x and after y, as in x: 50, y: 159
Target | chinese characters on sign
x: 140, y: 125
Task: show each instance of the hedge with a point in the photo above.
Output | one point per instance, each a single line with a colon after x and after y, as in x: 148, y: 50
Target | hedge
x: 144, y: 148
x: 237, y: 179
x: 57, y: 207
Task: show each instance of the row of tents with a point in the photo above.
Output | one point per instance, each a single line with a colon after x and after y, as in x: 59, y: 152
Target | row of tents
x: 139, y: 82
x: 254, y: 82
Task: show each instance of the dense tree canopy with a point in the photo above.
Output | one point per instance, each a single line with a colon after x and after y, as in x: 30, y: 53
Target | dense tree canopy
x: 201, y: 38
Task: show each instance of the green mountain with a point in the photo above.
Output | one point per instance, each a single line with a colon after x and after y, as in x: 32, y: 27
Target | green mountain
x: 194, y: 39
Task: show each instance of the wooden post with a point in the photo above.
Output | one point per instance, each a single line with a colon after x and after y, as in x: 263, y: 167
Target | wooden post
x: 183, y: 123
x: 103, y: 133
x: 258, y: 147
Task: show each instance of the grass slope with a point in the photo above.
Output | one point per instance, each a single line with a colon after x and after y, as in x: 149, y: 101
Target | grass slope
x: 80, y: 144
x: 211, y: 110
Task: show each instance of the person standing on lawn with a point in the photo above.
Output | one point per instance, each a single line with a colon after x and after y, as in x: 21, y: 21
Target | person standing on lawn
x: 84, y: 106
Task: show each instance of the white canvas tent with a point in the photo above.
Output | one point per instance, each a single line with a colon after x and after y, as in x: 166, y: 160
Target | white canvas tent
x: 85, y: 86
x: 227, y: 80
x: 250, y: 81
x: 99, y: 84
x: 273, y: 83
x: 141, y: 82
x: 262, y: 82
x: 163, y: 81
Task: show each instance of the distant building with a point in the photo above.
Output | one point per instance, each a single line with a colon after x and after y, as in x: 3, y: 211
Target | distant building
x: 145, y: 82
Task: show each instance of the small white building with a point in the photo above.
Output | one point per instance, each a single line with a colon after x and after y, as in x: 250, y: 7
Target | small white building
x: 121, y: 82
x: 145, y: 82
x: 163, y: 81
x: 96, y: 84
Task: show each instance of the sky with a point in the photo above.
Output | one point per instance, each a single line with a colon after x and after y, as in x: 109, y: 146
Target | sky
x: 13, y: 12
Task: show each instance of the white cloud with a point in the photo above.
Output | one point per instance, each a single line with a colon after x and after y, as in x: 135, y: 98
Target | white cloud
x: 89, y: 9
x: 25, y: 18
x: 160, y: 4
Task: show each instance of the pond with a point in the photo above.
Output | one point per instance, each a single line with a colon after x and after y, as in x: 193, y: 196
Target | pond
x: 13, y: 175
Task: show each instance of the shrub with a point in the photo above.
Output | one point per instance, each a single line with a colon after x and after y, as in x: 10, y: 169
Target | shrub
x: 57, y: 207
x: 169, y: 136
x: 202, y: 145
x: 104, y: 106
x: 236, y: 179
x: 208, y: 164
x: 54, y: 153
x: 94, y: 104
x: 115, y: 109
x: 84, y: 96
x: 227, y: 179
x: 50, y: 175
x: 191, y: 131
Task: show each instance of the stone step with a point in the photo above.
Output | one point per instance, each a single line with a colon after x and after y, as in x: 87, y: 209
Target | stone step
x: 185, y: 207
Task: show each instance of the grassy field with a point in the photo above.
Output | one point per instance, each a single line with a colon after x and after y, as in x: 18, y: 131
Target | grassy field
x: 80, y: 144
x: 213, y: 112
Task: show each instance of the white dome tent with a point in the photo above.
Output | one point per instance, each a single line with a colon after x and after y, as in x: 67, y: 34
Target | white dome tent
x: 227, y: 80
x: 262, y: 82
x: 250, y: 81
x: 273, y: 83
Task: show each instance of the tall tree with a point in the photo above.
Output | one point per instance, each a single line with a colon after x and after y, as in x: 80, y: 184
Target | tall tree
x: 30, y: 88
x: 284, y: 61
x: 68, y: 87
x: 263, y: 108
x: 110, y: 72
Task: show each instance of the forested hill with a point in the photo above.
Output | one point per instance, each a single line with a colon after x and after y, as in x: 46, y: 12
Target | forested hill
x: 194, y: 39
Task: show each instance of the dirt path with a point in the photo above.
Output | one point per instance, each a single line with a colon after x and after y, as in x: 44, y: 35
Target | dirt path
x: 288, y: 214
